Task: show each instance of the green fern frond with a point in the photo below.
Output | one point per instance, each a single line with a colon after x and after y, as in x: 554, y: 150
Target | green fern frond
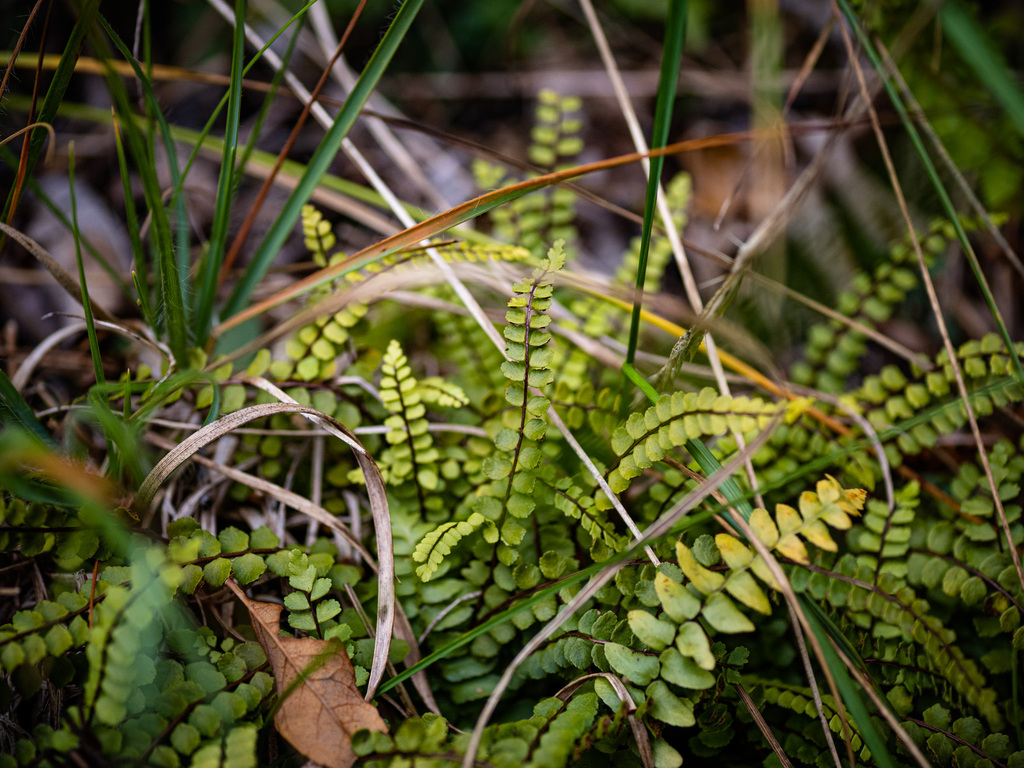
x: 438, y: 544
x: 547, y: 215
x: 647, y: 437
x: 834, y: 350
x: 411, y: 453
x: 526, y: 369
x: 437, y: 391
x: 884, y: 537
x: 317, y: 235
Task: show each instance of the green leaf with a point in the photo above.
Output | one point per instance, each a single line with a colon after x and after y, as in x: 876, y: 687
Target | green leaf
x: 303, y: 580
x: 327, y: 610
x: 185, y: 738
x: 703, y: 579
x: 506, y: 439
x: 520, y: 505
x: 296, y: 601
x: 636, y: 667
x: 654, y: 633
x: 216, y: 572
x: 667, y: 707
x: 206, y: 720
x: 693, y: 643
x: 683, y: 671
x: 302, y: 620
x: 248, y: 568
x: 192, y: 574
x: 320, y: 588
x: 665, y: 755
x: 11, y: 655
x: 744, y: 588
x: 264, y: 538
x: 675, y: 598
x: 722, y: 614
x: 58, y: 640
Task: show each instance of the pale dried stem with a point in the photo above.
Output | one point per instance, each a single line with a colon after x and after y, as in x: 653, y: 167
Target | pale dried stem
x: 290, y: 498
x: 643, y: 741
x: 763, y: 727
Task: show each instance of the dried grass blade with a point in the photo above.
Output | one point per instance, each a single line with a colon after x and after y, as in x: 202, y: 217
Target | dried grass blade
x: 374, y: 487
x: 466, y: 211
x: 763, y: 726
x: 290, y: 498
x: 381, y: 524
x: 61, y: 275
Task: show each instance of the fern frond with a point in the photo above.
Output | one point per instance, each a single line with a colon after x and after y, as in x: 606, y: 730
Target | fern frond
x: 834, y: 349
x: 438, y: 544
x: 526, y: 369
x: 647, y: 437
x: 547, y: 215
x: 685, y: 655
x: 412, y: 453
x: 318, y: 237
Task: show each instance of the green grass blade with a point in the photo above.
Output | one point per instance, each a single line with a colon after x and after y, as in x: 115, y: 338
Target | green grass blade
x: 140, y: 275
x: 675, y: 35
x: 323, y: 156
x: 275, y: 84
x: 982, y: 55
x: 58, y: 87
x: 40, y: 194
x: 15, y: 413
x: 201, y: 139
x: 848, y: 689
x: 203, y: 308
x: 90, y: 322
x: 171, y: 288
x: 933, y: 175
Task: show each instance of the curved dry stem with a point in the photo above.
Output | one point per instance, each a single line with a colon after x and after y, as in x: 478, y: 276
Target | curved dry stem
x: 21, y: 377
x: 374, y: 487
x: 273, y: 490
x: 49, y: 129
x: 61, y: 275
x: 643, y: 741
x: 377, y: 495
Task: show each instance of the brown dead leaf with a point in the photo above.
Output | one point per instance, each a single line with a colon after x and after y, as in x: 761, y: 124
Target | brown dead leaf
x: 320, y: 715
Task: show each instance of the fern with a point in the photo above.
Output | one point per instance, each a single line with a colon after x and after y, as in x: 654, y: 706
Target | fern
x: 545, y: 216
x: 507, y: 503
x: 412, y: 452
x: 437, y: 544
x: 647, y: 437
x: 488, y: 505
